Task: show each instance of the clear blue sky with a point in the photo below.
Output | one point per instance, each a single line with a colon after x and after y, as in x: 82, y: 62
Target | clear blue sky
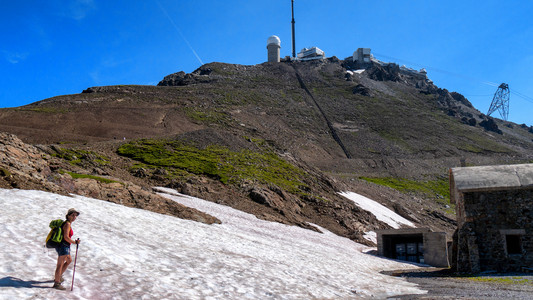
x: 58, y: 47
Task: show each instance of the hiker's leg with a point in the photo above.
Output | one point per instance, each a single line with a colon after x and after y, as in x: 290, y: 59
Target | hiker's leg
x: 67, y: 262
x: 59, y: 268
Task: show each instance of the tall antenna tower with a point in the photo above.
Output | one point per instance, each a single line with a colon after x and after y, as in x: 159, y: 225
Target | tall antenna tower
x: 293, y: 38
x: 500, y: 101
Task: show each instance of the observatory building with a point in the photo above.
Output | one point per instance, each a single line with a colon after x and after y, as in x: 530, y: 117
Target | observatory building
x: 273, y: 45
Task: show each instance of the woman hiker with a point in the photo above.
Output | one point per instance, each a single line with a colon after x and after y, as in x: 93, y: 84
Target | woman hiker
x: 63, y: 250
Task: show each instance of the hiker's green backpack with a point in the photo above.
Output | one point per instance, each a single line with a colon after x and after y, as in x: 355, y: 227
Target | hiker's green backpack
x: 55, y: 236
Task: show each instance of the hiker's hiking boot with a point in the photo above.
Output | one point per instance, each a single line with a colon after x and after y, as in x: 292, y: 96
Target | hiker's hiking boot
x: 58, y: 286
x: 62, y: 279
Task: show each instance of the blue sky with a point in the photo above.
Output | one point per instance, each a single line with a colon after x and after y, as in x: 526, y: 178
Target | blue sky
x: 58, y: 47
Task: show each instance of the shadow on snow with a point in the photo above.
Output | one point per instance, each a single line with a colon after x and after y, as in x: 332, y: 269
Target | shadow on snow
x: 19, y: 283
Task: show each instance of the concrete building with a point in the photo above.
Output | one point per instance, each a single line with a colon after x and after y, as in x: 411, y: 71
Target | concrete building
x: 363, y: 59
x: 494, y: 206
x: 311, y: 53
x: 361, y: 56
x: 418, y: 245
x: 421, y: 74
x: 273, y: 46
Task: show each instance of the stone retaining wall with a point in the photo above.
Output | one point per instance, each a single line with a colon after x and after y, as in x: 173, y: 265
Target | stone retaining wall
x: 483, y: 229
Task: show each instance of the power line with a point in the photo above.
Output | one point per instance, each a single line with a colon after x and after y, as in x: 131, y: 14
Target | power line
x: 439, y: 70
x: 527, y: 98
x: 514, y: 92
x: 486, y: 95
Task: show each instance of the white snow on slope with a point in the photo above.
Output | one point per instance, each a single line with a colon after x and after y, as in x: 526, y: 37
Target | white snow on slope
x: 381, y: 212
x: 129, y: 253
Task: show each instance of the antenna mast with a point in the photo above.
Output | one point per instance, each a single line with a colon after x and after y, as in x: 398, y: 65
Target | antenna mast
x: 500, y: 101
x: 293, y: 38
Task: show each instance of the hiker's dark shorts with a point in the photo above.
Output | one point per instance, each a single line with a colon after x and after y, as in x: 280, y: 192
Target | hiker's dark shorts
x: 63, y: 249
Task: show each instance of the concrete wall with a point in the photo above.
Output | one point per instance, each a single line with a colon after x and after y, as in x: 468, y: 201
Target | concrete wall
x: 396, y: 232
x: 436, y: 249
x: 435, y: 246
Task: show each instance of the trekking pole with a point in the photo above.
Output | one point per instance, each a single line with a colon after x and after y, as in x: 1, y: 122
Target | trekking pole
x: 75, y: 259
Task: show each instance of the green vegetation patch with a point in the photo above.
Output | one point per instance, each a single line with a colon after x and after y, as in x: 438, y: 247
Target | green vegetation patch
x: 4, y: 172
x: 217, y: 162
x: 478, y: 144
x: 437, y: 189
x: 397, y: 139
x: 208, y: 117
x: 502, y: 279
x: 223, y: 69
x: 472, y: 141
x: 77, y: 157
x: 239, y: 97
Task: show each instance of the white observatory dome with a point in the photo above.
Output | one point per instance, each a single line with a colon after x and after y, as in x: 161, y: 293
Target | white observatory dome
x: 274, y: 40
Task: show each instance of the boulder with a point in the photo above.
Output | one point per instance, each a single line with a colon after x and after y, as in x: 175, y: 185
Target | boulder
x: 490, y: 125
x: 458, y: 97
x: 267, y: 198
x: 362, y: 90
x: 469, y: 121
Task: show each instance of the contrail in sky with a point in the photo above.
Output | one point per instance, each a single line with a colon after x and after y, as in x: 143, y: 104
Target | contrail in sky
x: 179, y: 31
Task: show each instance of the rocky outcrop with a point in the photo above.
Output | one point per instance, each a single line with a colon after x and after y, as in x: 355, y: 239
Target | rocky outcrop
x: 131, y: 195
x: 362, y: 90
x: 469, y: 121
x: 178, y: 79
x: 490, y: 125
x: 181, y: 78
x: 461, y: 98
x: 28, y: 167
x: 23, y: 166
x: 390, y: 72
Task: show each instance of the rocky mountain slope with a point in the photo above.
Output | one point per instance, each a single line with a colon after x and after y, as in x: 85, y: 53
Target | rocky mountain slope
x: 279, y: 140
x: 27, y: 167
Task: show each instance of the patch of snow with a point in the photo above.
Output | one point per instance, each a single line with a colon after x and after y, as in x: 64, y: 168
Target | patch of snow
x: 360, y: 71
x: 381, y: 212
x: 371, y: 236
x: 129, y: 253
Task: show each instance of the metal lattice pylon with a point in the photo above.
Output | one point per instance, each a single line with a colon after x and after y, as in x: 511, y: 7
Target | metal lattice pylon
x: 500, y: 101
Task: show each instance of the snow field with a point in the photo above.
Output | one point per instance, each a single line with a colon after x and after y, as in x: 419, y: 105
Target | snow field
x: 128, y: 253
x: 381, y: 212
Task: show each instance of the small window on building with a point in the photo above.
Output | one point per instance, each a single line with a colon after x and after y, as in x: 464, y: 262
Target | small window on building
x: 513, y: 243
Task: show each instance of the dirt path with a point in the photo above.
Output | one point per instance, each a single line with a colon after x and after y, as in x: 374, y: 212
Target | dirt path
x: 442, y: 284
